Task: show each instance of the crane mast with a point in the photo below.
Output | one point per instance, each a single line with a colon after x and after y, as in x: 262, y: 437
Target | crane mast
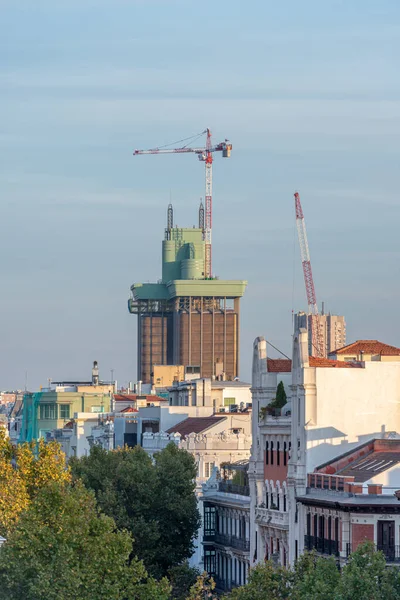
x: 204, y: 154
x: 308, y: 278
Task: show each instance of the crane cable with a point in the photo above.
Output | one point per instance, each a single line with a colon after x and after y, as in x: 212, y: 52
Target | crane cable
x: 191, y: 139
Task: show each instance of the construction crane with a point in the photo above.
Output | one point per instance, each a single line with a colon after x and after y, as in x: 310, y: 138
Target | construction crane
x: 205, y: 154
x: 317, y: 342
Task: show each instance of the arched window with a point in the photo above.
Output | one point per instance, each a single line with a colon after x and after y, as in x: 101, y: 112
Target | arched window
x: 272, y: 453
x: 266, y: 452
x: 284, y: 502
x: 284, y: 454
x: 278, y: 495
x: 278, y: 458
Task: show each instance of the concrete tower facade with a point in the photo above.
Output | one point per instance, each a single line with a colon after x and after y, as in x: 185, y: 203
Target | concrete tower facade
x: 186, y: 319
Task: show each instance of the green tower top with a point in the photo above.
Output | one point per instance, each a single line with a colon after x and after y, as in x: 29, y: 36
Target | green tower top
x: 183, y: 267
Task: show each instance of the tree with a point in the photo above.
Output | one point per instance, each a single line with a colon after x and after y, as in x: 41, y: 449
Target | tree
x: 280, y: 395
x: 266, y: 582
x: 366, y: 576
x: 314, y: 578
x: 203, y: 588
x: 63, y: 548
x: 182, y: 578
x: 24, y: 470
x: 154, y: 500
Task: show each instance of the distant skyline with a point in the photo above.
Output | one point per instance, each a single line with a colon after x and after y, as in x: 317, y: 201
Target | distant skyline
x: 309, y: 96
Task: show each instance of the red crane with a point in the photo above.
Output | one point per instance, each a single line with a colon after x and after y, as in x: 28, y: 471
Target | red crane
x: 205, y: 155
x: 317, y: 341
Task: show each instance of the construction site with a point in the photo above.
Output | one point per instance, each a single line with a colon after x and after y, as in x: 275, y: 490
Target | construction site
x: 190, y: 318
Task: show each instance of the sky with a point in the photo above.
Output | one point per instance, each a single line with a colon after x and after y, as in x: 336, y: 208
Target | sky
x: 307, y: 92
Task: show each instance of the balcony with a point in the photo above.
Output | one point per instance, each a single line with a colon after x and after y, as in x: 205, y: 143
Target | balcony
x: 392, y: 553
x: 234, y: 488
x: 273, y: 518
x: 321, y: 545
x: 232, y: 541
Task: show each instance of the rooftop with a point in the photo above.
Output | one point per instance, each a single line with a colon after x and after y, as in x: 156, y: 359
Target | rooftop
x: 368, y: 347
x: 279, y: 365
x: 224, y: 384
x: 364, y: 461
x: 333, y: 364
x: 135, y: 397
x: 195, y: 425
x: 350, y: 501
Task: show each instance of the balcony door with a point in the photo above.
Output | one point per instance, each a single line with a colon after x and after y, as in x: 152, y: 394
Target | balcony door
x: 386, y: 538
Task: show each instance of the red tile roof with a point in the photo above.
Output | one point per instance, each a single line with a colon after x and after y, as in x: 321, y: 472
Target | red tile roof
x: 194, y: 425
x: 333, y: 364
x: 368, y: 347
x: 279, y: 365
x: 129, y: 409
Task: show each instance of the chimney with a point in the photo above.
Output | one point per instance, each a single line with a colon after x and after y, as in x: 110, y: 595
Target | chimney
x: 95, y: 373
x: 355, y: 488
x: 375, y: 488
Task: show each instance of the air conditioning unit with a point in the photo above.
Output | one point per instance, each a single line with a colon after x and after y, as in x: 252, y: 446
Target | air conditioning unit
x: 233, y: 408
x: 222, y: 409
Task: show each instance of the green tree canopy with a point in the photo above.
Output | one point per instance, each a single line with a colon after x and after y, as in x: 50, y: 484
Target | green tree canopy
x: 280, y: 395
x: 365, y: 577
x: 63, y: 548
x: 154, y: 500
x: 24, y: 470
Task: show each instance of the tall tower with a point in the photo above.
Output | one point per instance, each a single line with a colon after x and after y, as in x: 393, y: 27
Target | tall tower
x: 332, y: 332
x: 187, y: 319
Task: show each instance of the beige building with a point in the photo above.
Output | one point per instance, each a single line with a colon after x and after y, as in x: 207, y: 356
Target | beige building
x: 163, y: 376
x: 366, y: 350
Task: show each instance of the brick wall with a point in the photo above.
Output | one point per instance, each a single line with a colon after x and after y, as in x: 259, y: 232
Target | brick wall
x: 360, y: 533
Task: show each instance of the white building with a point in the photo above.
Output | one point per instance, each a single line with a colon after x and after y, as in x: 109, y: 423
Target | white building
x: 336, y: 406
x: 213, y: 440
x: 225, y: 507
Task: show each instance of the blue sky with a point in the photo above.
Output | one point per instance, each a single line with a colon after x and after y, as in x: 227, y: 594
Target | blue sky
x: 308, y: 93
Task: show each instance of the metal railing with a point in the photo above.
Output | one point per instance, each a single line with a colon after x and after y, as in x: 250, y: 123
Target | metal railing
x: 232, y: 541
x: 321, y: 545
x: 234, y: 488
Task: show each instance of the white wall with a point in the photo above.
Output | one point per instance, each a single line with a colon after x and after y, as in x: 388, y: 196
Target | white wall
x: 352, y: 406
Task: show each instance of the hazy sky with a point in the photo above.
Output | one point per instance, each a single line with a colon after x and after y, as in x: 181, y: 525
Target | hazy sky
x: 307, y: 92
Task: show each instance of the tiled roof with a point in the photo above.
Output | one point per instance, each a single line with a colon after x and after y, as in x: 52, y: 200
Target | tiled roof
x: 314, y: 361
x: 279, y: 365
x: 368, y: 347
x: 194, y: 425
x: 364, y: 461
x: 129, y: 409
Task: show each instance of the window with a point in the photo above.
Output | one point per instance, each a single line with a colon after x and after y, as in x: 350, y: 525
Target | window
x: 48, y: 411
x: 266, y: 452
x: 272, y: 453
x: 284, y: 454
x: 229, y: 401
x: 208, y: 467
x: 209, y: 561
x: 209, y: 520
x: 64, y: 411
x: 278, y: 458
